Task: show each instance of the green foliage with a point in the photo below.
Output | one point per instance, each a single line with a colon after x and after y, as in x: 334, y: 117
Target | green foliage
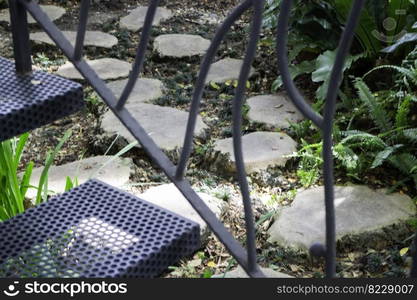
x: 393, y: 141
x: 14, y: 184
x: 12, y: 187
x: 316, y: 26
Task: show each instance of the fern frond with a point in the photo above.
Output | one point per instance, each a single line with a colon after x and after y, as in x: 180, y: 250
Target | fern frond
x: 366, y: 139
x: 377, y: 113
x: 405, y: 162
x: 402, y: 112
x: 404, y: 71
x: 382, y: 156
x: 411, y: 134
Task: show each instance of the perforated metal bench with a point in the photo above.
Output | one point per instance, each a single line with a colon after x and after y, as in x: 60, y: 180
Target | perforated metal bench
x: 95, y: 230
x: 33, y: 100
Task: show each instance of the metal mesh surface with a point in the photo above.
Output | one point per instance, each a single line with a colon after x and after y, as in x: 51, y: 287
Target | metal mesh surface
x: 95, y: 230
x: 31, y: 101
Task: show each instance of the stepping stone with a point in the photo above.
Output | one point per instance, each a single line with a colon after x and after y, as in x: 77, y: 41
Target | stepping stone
x: 360, y: 211
x: 52, y: 11
x: 92, y: 38
x: 106, y: 68
x: 240, y: 273
x: 226, y: 69
x: 260, y: 150
x: 165, y: 125
x: 276, y: 111
x: 135, y: 20
x: 145, y: 89
x: 181, y: 45
x: 115, y: 173
x: 169, y: 197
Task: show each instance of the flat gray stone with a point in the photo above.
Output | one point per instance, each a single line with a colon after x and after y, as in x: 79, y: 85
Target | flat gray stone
x: 276, y: 111
x: 135, y: 20
x: 115, y: 173
x: 92, y: 38
x: 170, y: 198
x: 145, y: 89
x: 165, y: 125
x: 52, y: 11
x: 180, y: 45
x: 260, y: 150
x: 106, y: 68
x: 359, y: 210
x: 240, y: 273
x: 226, y: 69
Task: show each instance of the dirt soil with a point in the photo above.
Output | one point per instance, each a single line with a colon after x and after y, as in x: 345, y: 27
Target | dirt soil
x: 179, y: 76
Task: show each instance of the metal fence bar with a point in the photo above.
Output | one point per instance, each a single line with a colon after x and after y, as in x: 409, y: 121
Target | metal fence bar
x: 326, y: 123
x: 201, y: 83
x: 20, y: 34
x: 283, y: 63
x: 82, y: 28
x: 140, y: 55
x: 258, y: 7
x: 149, y: 146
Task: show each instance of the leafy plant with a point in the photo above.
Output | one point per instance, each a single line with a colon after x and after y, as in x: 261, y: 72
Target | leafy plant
x: 13, y: 187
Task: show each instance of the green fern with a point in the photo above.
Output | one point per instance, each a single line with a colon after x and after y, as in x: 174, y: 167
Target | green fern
x: 411, y: 134
x: 377, y: 113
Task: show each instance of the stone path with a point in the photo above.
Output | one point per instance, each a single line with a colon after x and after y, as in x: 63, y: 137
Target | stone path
x: 181, y: 45
x: 116, y: 173
x: 145, y: 89
x: 260, y: 150
x: 276, y: 111
x: 240, y: 273
x: 165, y: 125
x: 135, y: 20
x: 168, y: 197
x: 359, y: 211
x: 106, y: 68
x: 226, y: 69
x: 52, y: 11
x: 92, y: 38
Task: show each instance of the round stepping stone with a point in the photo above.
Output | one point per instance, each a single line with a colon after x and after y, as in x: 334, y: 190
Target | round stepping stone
x: 276, y: 111
x: 145, y: 89
x: 260, y: 150
x: 359, y: 211
x: 106, y: 68
x: 115, y: 173
x: 240, y: 273
x: 135, y: 20
x: 92, y: 38
x: 181, y: 45
x: 165, y: 125
x: 226, y: 69
x: 170, y: 198
x: 52, y: 11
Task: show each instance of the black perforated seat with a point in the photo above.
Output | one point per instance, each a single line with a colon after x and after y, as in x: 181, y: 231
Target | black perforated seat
x: 31, y: 101
x: 95, y: 230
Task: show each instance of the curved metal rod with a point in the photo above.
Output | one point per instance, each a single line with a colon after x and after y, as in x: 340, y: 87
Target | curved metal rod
x: 139, y: 133
x: 201, y: 83
x: 326, y: 123
x: 413, y: 273
x: 140, y: 54
x: 258, y: 6
x: 82, y: 27
x: 329, y: 111
x: 282, y: 49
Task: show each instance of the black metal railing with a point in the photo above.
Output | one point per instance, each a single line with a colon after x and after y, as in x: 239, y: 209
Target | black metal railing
x: 245, y: 257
